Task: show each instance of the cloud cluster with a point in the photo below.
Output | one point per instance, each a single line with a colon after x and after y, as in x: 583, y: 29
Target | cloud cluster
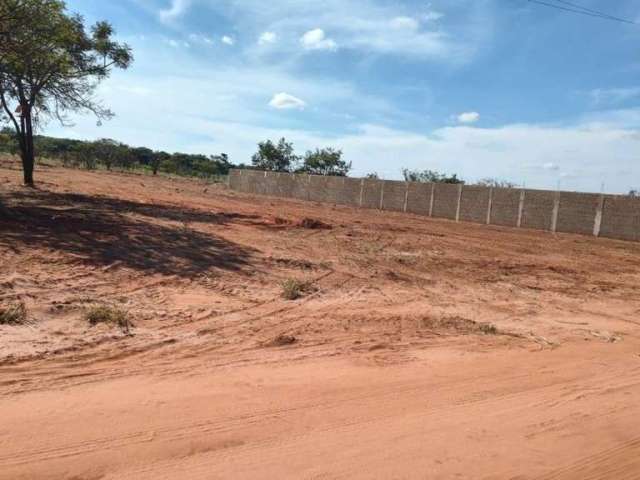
x: 316, y: 40
x: 469, y: 117
x: 284, y: 101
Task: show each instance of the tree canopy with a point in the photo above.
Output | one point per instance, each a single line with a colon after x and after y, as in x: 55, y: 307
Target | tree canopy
x: 325, y: 161
x: 429, y: 176
x: 50, y: 65
x: 276, y: 157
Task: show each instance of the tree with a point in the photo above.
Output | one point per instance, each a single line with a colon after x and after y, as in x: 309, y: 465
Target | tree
x: 278, y: 158
x: 372, y: 176
x: 634, y: 193
x: 496, y: 183
x: 326, y: 161
x: 429, y: 176
x: 50, y: 65
x: 107, y: 151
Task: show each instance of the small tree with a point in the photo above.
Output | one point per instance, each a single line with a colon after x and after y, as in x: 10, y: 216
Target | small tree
x: 634, y: 193
x: 107, y: 151
x: 278, y: 158
x: 429, y: 176
x: 50, y: 65
x: 326, y: 161
x: 372, y: 176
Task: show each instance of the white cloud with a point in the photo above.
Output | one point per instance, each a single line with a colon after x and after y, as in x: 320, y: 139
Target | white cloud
x: 199, y: 38
x: 284, y: 101
x: 267, y: 38
x: 316, y: 40
x: 405, y: 23
x: 175, y: 10
x: 227, y: 40
x: 469, y: 117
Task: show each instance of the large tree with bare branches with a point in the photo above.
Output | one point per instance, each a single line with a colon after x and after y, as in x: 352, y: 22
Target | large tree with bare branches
x: 50, y: 65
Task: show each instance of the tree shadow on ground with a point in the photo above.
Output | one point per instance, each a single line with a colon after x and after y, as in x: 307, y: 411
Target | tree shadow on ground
x: 102, y: 231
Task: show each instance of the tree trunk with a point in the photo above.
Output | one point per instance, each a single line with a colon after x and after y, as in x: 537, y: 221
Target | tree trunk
x: 28, y: 154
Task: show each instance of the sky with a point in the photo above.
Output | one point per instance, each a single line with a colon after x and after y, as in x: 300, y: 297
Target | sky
x: 507, y: 89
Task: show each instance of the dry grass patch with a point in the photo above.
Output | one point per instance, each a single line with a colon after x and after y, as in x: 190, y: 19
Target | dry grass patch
x: 107, y: 314
x: 15, y: 314
x: 293, y: 288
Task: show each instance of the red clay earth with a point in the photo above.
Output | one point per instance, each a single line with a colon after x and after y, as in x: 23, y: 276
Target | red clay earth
x: 425, y: 349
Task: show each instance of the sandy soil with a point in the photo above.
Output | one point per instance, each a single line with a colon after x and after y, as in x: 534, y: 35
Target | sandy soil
x: 420, y: 349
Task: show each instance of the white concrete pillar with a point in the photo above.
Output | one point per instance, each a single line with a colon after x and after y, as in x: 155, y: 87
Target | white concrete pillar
x: 597, y: 223
x: 490, y: 206
x: 520, y: 208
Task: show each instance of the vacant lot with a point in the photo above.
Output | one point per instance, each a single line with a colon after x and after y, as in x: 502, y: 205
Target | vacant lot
x: 269, y: 338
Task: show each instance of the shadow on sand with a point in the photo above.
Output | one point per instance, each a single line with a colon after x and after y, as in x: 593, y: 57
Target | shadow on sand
x: 102, y: 230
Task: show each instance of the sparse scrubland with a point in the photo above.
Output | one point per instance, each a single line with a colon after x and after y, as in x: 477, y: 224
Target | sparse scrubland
x: 274, y: 338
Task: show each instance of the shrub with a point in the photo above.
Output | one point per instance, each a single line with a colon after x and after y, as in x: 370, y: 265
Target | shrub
x: 293, y: 289
x: 13, y: 314
x: 107, y: 314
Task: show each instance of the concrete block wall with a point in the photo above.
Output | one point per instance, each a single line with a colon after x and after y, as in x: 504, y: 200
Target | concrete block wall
x: 583, y: 213
x: 474, y: 204
x: 537, y: 212
x: 505, y: 206
x: 445, y: 201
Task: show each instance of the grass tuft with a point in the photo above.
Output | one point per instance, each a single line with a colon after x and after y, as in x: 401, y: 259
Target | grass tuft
x: 15, y: 314
x: 293, y: 289
x: 106, y: 314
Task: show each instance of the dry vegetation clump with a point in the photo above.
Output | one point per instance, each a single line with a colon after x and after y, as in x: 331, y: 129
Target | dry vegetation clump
x: 293, y: 288
x: 282, y: 340
x: 111, y: 315
x: 460, y: 324
x: 313, y: 224
x: 15, y: 314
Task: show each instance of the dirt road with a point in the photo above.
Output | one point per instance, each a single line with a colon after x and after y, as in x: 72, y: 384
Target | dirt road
x: 419, y: 348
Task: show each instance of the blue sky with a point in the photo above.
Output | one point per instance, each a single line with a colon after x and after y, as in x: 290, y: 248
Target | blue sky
x: 482, y: 88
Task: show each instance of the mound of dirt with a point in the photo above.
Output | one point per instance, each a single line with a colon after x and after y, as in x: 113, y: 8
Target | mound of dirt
x: 282, y: 340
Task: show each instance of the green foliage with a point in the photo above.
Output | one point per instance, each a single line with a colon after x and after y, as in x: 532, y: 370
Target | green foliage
x: 277, y: 158
x: 429, y: 176
x: 110, y: 154
x: 496, y: 183
x: 326, y: 161
x: 51, y: 64
x: 372, y: 176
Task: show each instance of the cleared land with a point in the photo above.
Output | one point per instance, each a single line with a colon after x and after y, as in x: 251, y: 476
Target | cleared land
x: 418, y: 349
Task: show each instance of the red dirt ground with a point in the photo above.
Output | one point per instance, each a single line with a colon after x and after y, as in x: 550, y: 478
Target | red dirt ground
x: 420, y: 348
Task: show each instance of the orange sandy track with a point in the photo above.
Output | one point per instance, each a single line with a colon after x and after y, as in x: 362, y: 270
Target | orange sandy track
x: 393, y: 374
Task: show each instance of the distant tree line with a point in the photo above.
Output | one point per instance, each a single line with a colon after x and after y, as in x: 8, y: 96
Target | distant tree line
x: 109, y: 154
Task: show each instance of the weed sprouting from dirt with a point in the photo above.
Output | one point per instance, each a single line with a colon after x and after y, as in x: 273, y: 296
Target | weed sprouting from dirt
x: 292, y: 288
x: 488, y: 328
x: 106, y: 314
x: 15, y: 314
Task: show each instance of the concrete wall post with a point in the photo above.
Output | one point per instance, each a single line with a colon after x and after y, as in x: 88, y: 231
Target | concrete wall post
x: 459, y: 202
x: 597, y: 223
x: 361, y: 193
x: 520, y: 208
x: 382, y: 195
x: 554, y: 213
x: 432, y: 200
x: 489, y: 206
x: 406, y: 198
